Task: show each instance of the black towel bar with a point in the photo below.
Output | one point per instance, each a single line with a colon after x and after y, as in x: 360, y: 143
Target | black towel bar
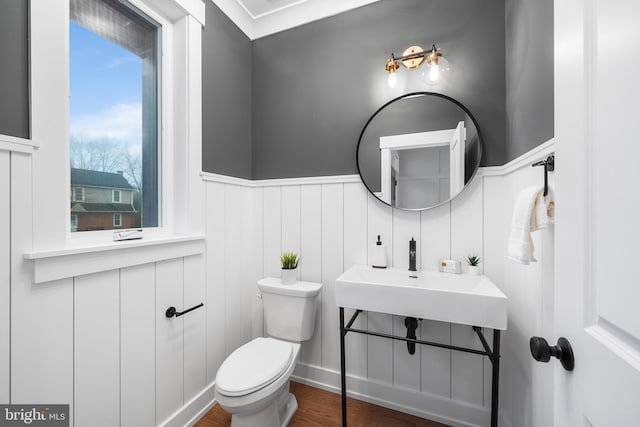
x: 549, y: 166
x: 172, y: 312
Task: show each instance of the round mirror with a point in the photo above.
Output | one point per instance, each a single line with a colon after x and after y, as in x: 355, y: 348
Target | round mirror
x: 419, y: 150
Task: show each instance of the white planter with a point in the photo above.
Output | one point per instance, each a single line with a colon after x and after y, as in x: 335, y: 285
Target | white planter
x: 289, y: 276
x: 473, y: 270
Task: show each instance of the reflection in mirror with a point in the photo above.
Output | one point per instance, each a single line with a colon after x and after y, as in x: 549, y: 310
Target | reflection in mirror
x: 419, y: 151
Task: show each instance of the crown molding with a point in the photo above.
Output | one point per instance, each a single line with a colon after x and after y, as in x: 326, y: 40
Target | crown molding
x: 286, y: 17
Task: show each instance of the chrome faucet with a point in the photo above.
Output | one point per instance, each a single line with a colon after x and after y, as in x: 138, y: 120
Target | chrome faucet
x: 412, y: 255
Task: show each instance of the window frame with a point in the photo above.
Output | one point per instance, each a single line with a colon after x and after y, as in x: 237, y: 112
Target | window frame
x: 164, y: 53
x: 71, y: 221
x: 181, y: 197
x: 113, y: 196
x: 82, y: 194
x: 118, y: 223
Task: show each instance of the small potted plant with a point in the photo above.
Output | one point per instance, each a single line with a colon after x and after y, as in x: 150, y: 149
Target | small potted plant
x: 289, y: 261
x: 473, y: 265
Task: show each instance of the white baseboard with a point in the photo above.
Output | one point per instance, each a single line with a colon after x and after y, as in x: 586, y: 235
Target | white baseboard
x: 193, y: 410
x: 424, y: 405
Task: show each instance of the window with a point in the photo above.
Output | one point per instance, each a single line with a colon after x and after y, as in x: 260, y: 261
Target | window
x: 74, y: 222
x: 114, y: 52
x: 78, y: 194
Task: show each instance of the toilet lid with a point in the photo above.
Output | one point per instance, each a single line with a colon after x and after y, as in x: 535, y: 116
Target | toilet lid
x: 253, y: 366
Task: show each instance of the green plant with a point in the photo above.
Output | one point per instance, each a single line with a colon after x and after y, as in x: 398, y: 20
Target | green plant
x: 289, y: 260
x: 473, y: 260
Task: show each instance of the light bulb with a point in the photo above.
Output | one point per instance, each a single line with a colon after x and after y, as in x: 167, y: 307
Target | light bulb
x: 435, y: 71
x: 393, y: 79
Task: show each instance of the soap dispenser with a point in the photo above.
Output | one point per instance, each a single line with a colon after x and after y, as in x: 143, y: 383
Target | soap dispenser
x: 379, y: 256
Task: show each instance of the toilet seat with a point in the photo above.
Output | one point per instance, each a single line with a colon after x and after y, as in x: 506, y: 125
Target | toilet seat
x: 254, y: 366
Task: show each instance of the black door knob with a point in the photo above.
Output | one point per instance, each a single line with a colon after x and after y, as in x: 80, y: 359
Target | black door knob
x: 542, y: 351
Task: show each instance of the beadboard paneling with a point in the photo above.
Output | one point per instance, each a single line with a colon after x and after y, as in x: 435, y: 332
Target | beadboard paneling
x: 256, y: 249
x: 137, y: 346
x: 406, y: 367
x: 96, y: 353
x: 42, y: 368
x: 195, y: 337
x: 291, y: 220
x: 169, y: 339
x: 311, y: 262
x: 467, y: 370
x: 379, y: 350
x: 272, y: 241
x: 332, y: 266
x: 237, y: 320
x: 335, y: 224
x: 215, y: 307
x: 355, y: 252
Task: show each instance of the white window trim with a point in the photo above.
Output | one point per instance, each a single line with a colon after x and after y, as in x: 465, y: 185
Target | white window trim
x: 74, y: 198
x: 113, y: 196
x: 118, y: 223
x: 181, y: 202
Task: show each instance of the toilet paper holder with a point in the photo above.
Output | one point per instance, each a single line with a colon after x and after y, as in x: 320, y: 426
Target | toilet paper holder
x: 172, y: 312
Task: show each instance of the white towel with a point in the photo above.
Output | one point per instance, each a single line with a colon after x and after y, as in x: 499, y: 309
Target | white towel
x: 544, y: 211
x: 520, y: 246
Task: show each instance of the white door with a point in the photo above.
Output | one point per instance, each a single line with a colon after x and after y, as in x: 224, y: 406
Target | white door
x: 456, y: 160
x: 597, y: 287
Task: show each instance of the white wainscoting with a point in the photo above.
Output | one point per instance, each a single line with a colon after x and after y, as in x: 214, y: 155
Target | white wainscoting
x: 333, y: 224
x: 526, y: 397
x: 101, y: 340
x: 125, y: 362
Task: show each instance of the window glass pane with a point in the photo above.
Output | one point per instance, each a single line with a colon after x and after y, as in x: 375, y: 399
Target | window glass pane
x: 113, y: 116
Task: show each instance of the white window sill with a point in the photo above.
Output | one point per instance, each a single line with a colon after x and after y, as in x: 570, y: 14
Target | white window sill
x: 74, y: 261
x: 19, y: 145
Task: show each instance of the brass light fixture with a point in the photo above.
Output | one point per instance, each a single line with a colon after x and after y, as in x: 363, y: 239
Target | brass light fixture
x: 414, y: 56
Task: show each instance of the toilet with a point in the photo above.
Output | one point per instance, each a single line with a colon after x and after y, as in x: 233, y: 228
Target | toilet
x: 252, y: 384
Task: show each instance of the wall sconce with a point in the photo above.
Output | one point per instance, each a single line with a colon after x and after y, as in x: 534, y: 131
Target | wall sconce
x: 434, y: 70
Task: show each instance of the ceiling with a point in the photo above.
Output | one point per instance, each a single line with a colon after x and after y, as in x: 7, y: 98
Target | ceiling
x: 260, y: 18
x: 258, y: 8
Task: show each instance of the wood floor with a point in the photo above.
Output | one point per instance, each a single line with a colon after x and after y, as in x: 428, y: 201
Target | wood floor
x: 319, y: 408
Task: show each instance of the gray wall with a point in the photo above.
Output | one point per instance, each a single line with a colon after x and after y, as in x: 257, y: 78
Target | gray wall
x: 529, y: 60
x: 14, y: 69
x: 226, y: 96
x: 315, y: 86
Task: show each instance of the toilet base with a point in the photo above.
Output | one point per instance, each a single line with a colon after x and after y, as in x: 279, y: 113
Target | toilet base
x: 276, y: 414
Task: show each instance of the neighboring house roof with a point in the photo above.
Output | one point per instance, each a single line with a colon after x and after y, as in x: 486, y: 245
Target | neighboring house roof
x: 78, y: 207
x: 87, y: 177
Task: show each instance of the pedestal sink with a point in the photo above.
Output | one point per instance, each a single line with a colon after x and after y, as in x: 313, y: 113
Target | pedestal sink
x: 455, y: 298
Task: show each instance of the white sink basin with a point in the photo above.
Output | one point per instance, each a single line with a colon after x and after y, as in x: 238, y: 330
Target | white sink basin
x: 455, y: 298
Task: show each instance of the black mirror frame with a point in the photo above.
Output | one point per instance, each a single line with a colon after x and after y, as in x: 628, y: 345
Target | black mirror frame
x: 422, y: 93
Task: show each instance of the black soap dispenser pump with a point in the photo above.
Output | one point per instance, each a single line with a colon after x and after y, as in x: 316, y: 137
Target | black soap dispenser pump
x: 379, y: 256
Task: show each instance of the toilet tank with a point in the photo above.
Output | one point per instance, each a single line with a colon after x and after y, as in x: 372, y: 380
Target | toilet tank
x: 289, y: 310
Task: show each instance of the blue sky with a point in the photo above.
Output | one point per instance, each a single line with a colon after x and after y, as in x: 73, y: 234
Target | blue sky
x: 106, y: 88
